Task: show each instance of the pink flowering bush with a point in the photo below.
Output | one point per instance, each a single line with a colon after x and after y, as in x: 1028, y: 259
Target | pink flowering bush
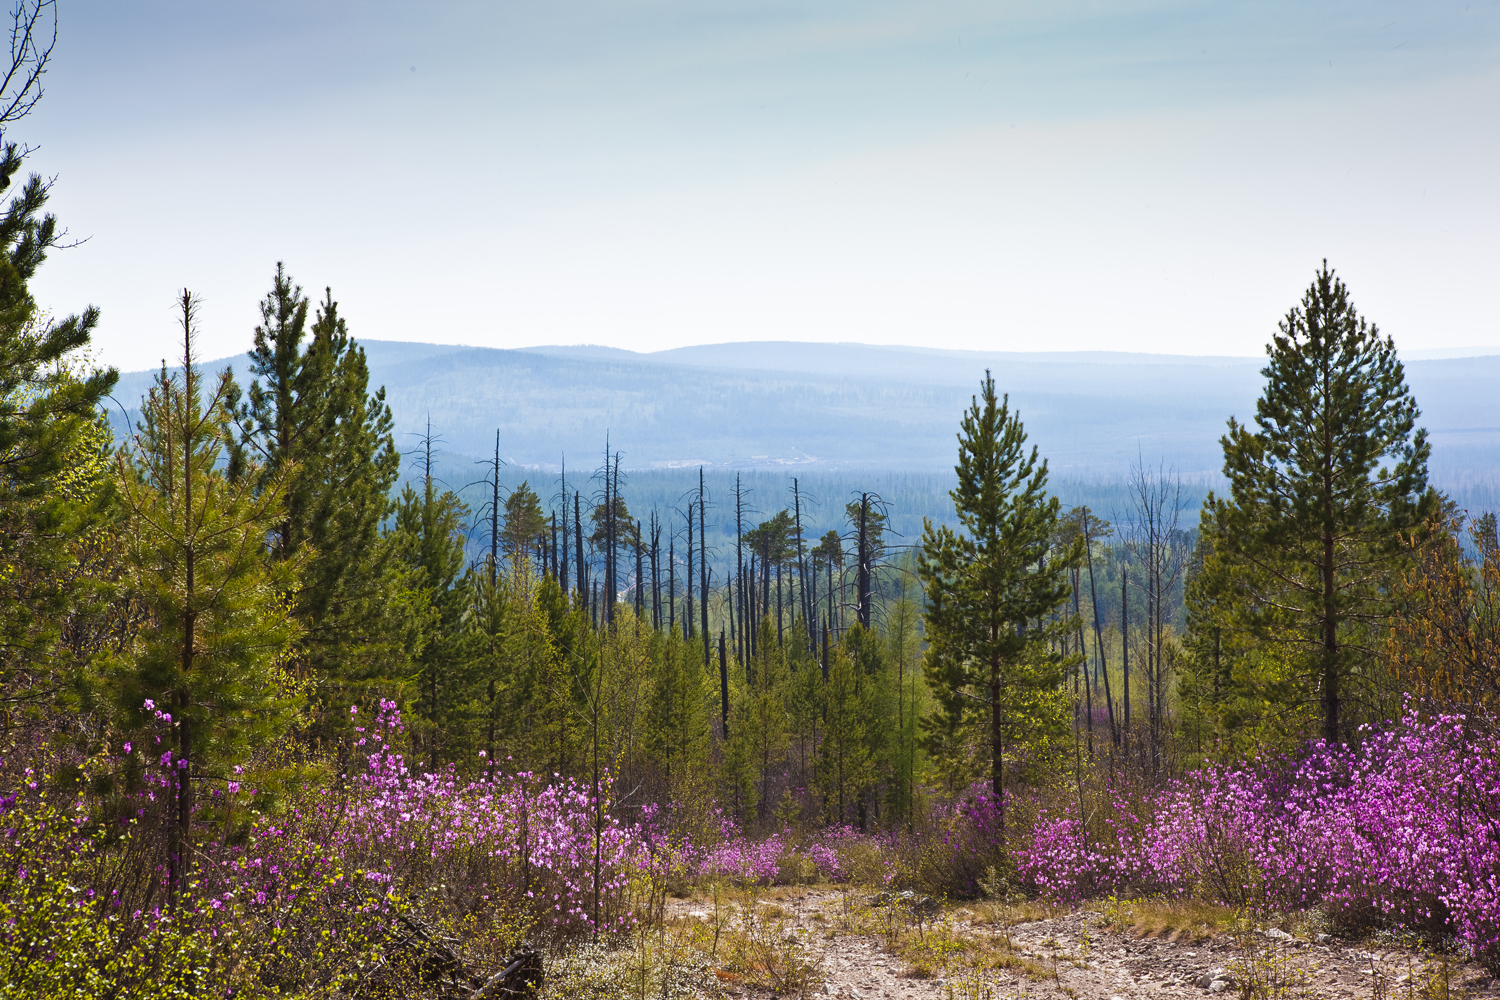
x: 499, y: 836
x: 1403, y: 828
x: 311, y: 888
x: 742, y: 858
x: 964, y: 840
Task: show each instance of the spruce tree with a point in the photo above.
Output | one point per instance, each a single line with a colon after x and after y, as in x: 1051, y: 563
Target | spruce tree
x: 310, y: 419
x: 992, y: 596
x: 1321, y: 493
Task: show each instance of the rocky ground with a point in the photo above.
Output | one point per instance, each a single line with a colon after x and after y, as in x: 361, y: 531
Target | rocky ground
x: 985, y: 952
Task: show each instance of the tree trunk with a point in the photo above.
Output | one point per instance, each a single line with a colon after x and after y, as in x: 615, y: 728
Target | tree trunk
x: 742, y: 640
x: 723, y: 685
x: 687, y: 619
x: 562, y: 577
x: 997, y: 743
x: 803, y: 603
x: 583, y: 589
x: 1114, y: 733
x: 1125, y: 642
x: 1330, y: 646
x: 703, y: 565
x: 765, y: 581
x: 779, y: 612
x: 655, y: 572
x: 862, y: 573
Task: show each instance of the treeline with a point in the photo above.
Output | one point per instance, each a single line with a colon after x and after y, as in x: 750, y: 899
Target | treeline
x: 245, y: 562
x: 1328, y: 586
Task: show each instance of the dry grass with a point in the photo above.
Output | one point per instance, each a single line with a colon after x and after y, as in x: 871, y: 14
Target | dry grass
x: 1421, y: 977
x: 738, y: 937
x: 1009, y: 914
x: 1172, y: 919
x: 955, y: 944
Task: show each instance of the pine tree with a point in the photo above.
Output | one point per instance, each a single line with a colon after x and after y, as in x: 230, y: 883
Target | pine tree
x: 427, y: 538
x: 53, y: 444
x: 904, y: 645
x: 309, y: 419
x: 524, y: 523
x: 760, y: 729
x: 876, y: 690
x: 845, y: 767
x: 804, y: 703
x: 992, y: 595
x: 678, y: 720
x: 611, y: 532
x: 1322, y: 492
x: 217, y: 620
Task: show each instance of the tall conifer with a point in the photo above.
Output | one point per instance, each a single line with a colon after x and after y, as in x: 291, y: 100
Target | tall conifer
x: 992, y: 595
x: 217, y: 621
x: 309, y: 418
x: 1322, y: 492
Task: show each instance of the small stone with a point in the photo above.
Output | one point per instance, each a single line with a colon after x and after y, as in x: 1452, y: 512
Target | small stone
x: 1278, y: 934
x: 1218, y: 986
x: 1207, y: 980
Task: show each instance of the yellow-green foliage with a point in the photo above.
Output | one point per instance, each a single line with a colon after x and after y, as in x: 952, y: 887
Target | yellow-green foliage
x: 61, y: 942
x: 326, y: 928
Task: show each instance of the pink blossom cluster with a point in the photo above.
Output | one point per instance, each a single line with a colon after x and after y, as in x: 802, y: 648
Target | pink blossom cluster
x: 1404, y: 826
x: 742, y: 858
x: 780, y: 856
x: 515, y: 836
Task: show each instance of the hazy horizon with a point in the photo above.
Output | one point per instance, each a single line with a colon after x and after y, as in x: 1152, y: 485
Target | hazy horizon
x: 1161, y: 177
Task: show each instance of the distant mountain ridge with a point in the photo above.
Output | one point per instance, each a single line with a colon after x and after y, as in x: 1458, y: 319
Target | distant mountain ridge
x: 853, y: 406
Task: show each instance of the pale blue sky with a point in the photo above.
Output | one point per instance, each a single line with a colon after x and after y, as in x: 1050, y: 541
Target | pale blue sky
x: 1128, y: 176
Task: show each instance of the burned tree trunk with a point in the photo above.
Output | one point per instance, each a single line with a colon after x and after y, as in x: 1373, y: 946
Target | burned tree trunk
x: 703, y: 564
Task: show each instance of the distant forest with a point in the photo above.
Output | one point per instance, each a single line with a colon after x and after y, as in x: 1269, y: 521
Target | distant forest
x: 848, y: 417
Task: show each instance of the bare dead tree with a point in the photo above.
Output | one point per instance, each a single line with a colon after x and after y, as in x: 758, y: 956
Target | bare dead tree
x: 1159, y: 546
x: 33, y: 35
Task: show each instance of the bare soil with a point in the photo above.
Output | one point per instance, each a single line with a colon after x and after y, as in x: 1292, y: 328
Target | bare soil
x: 969, y: 952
